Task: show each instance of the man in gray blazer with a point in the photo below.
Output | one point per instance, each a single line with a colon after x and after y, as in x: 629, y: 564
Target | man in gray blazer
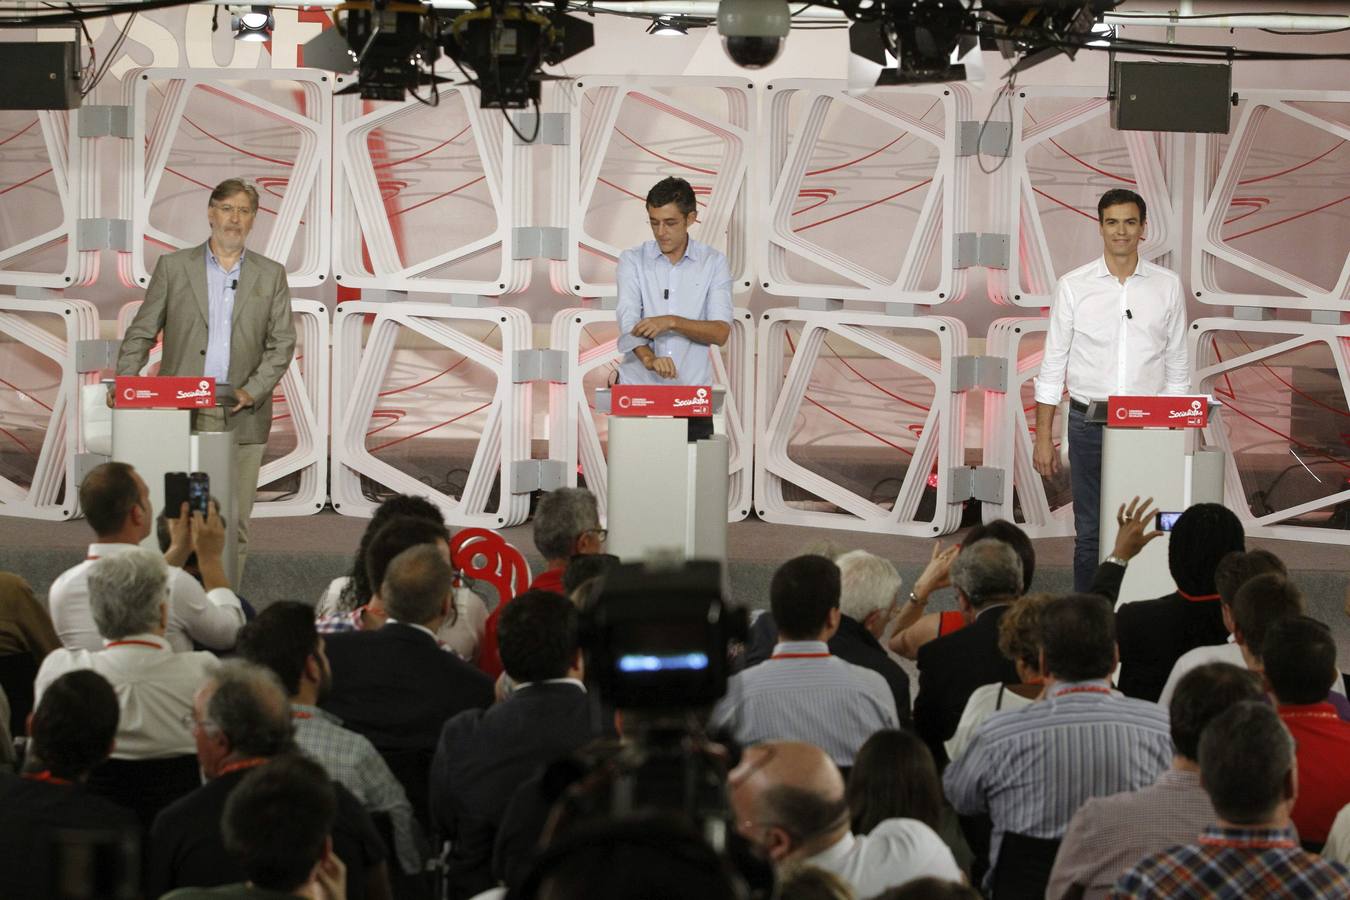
x: 226, y: 314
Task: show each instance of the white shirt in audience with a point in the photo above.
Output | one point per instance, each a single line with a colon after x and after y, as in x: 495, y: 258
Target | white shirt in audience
x: 1210, y: 653
x: 983, y: 703
x: 892, y: 853
x: 211, y: 618
x: 1338, y: 840
x: 154, y: 688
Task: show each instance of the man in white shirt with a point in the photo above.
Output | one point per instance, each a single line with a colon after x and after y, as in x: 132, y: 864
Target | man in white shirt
x: 154, y: 686
x: 116, y: 501
x: 788, y: 799
x: 1117, y: 326
x: 674, y: 299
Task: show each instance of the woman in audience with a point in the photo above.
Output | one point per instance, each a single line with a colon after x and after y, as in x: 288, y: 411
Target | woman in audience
x: 1019, y: 640
x: 348, y: 593
x: 894, y: 777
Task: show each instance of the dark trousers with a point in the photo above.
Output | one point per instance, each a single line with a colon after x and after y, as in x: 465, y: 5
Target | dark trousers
x: 1085, y: 475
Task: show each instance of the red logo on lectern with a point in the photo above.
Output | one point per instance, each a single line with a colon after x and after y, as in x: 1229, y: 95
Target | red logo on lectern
x: 1165, y: 411
x: 680, y: 401
x: 164, y: 392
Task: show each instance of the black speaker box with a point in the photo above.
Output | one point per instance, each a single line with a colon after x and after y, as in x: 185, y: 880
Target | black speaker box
x: 42, y: 75
x: 1154, y: 96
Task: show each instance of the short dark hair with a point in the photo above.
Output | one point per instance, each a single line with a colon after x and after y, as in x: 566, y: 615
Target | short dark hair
x: 930, y: 888
x: 395, y: 536
x: 417, y: 585
x: 1238, y: 567
x: 1203, y: 535
x: 1115, y: 197
x: 1078, y: 637
x: 277, y: 820
x: 1299, y: 656
x: 1203, y: 693
x: 672, y: 190
x: 108, y: 494
x: 358, y: 590
x: 1261, y: 602
x: 74, y: 724
x: 537, y: 636
x: 582, y: 567
x: 282, y: 638
x: 1246, y: 754
x: 893, y: 776
x: 1010, y: 534
x: 801, y: 595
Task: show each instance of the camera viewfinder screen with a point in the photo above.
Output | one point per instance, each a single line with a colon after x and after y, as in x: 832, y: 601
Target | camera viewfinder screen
x: 650, y: 662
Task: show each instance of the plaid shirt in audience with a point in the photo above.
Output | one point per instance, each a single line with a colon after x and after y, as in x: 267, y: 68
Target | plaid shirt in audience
x: 352, y: 761
x: 338, y: 623
x: 1236, y: 863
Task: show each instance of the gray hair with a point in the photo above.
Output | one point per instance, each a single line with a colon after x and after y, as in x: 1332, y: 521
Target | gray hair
x: 231, y: 186
x: 126, y: 591
x: 987, y: 570
x: 561, y: 517
x: 249, y: 706
x: 867, y: 583
x: 416, y: 584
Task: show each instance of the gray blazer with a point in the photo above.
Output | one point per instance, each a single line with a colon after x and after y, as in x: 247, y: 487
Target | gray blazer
x: 262, y: 334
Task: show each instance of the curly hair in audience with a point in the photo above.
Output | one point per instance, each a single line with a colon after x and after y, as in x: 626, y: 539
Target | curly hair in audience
x: 1203, y: 535
x: 893, y: 776
x: 358, y: 590
x: 1019, y: 631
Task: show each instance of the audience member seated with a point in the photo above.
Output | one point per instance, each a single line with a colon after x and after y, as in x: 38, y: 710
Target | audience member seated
x: 1019, y: 640
x: 241, y: 721
x: 1299, y: 654
x: 894, y: 777
x: 1110, y: 834
x: 566, y: 524
x: 460, y: 633
x: 1234, y: 570
x: 279, y: 855
x: 930, y: 889
x: 803, y: 692
x: 116, y: 502
x: 1247, y: 768
x: 868, y: 589
x: 1155, y: 633
x: 283, y: 639
x: 1031, y: 769
x: 348, y: 593
x: 72, y: 732
x: 395, y: 685
x: 788, y: 800
x: 913, y: 626
x: 987, y: 576
x: 483, y: 755
x: 26, y: 637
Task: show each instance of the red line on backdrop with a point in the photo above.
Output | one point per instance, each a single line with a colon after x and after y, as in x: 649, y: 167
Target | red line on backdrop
x: 393, y: 415
x: 1088, y: 165
x: 1289, y: 438
x: 225, y: 143
x: 398, y: 162
x: 620, y: 189
x: 1306, y: 212
x: 19, y: 132
x: 1304, y: 395
x: 1232, y: 392
x: 1256, y: 204
x: 675, y: 162
x: 849, y: 212
x: 409, y: 209
x: 852, y: 162
x: 820, y: 195
x: 20, y: 390
x: 807, y: 397
x: 1292, y: 168
x: 893, y: 396
x: 13, y: 437
x: 25, y: 181
x: 430, y: 428
x: 209, y: 187
x: 1063, y: 204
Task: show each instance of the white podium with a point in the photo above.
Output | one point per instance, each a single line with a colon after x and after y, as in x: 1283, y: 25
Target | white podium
x: 667, y: 496
x: 159, y: 440
x: 1161, y: 462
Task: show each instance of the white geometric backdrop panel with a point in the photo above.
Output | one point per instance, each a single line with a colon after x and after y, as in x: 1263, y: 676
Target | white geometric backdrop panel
x: 43, y: 192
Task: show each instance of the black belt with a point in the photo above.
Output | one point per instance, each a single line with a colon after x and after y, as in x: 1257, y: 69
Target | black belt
x: 1078, y: 405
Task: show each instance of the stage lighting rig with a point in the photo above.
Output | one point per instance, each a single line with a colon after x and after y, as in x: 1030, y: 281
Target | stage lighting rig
x: 390, y: 45
x: 913, y: 42
x: 1037, y: 30
x: 501, y: 46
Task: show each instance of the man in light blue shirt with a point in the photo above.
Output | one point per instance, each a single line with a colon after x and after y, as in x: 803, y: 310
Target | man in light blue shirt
x: 674, y: 297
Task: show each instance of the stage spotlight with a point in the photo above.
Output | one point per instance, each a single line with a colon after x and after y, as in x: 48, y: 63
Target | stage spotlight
x: 664, y: 26
x: 253, y: 23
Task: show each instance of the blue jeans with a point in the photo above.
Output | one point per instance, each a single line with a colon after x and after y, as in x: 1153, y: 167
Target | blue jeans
x: 1085, y: 476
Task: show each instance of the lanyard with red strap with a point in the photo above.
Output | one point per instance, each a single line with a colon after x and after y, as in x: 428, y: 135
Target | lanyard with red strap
x: 1252, y: 843
x: 46, y: 776
x: 240, y: 764
x: 1196, y: 598
x: 800, y: 656
x: 1082, y: 689
x: 133, y: 643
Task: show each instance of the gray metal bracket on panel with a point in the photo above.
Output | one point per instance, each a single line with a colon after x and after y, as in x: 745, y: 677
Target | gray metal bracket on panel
x: 473, y: 301
x: 983, y: 483
x: 988, y: 138
x: 103, y: 234
x: 1253, y: 313
x: 538, y: 242
x: 105, y: 121
x: 987, y: 372
x: 553, y: 127
x: 536, y: 475
x: 96, y: 355
x: 988, y: 250
x: 382, y: 295
x: 539, y: 365
x: 820, y: 304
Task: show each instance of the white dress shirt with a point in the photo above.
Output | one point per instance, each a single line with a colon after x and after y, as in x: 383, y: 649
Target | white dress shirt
x: 892, y: 853
x: 697, y: 287
x: 211, y: 618
x: 154, y: 688
x: 1110, y: 338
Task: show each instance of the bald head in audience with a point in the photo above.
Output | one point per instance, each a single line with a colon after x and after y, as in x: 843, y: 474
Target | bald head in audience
x: 788, y: 799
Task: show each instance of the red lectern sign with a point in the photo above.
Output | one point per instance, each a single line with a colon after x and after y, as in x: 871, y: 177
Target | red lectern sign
x: 163, y: 392
x: 1163, y: 411
x: 681, y: 401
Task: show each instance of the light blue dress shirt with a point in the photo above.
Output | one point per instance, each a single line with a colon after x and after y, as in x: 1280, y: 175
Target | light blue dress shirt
x: 697, y: 287
x: 220, y: 290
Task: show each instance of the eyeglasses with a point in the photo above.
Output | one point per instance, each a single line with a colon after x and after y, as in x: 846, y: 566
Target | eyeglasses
x: 190, y: 723
x: 601, y: 534
x: 228, y: 211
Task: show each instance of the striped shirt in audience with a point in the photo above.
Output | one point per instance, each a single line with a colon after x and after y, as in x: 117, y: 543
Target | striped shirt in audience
x: 803, y: 693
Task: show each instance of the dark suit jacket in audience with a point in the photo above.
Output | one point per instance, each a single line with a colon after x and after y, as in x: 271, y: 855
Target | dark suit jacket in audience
x: 32, y: 810
x: 950, y: 669
x: 484, y: 755
x: 187, y: 850
x: 1153, y: 634
x: 852, y: 643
